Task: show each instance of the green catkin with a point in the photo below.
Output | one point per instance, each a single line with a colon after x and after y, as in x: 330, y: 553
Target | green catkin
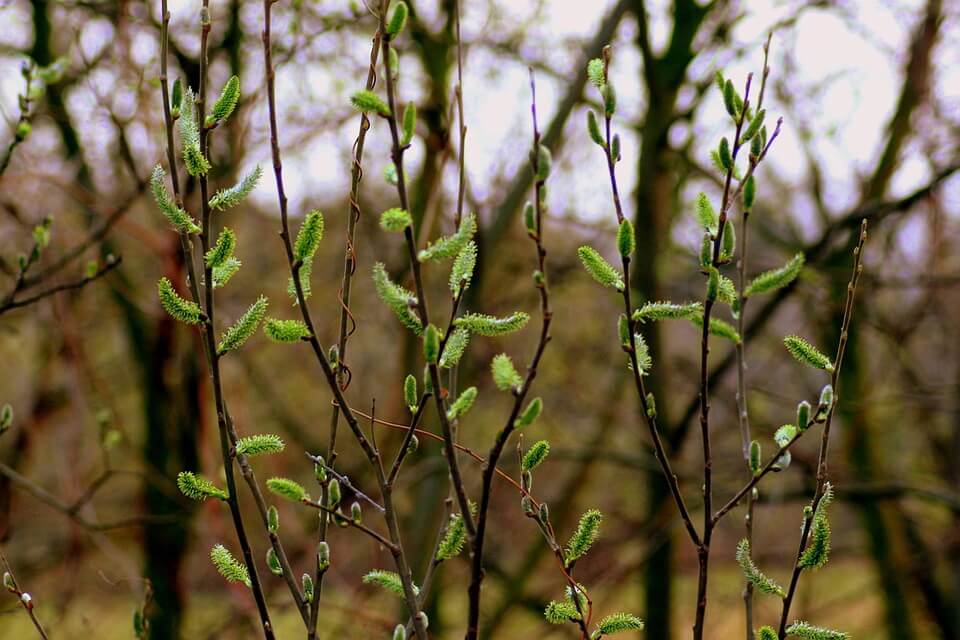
x: 196, y: 487
x: 450, y: 246
x: 222, y: 273
x: 228, y: 566
x: 583, y: 537
x: 530, y: 219
x: 729, y: 98
x: 617, y: 622
x: 454, y: 348
x: 234, y: 337
x: 596, y: 73
x: 285, y: 331
x: 185, y: 311
x: 333, y: 494
x: 261, y: 444
x: 463, y: 266
x: 369, y: 102
x: 410, y: 393
x: 462, y: 404
x: 599, y: 269
x: 227, y: 198
x: 766, y: 633
x: 761, y: 583
x: 807, y: 354
x: 505, y: 375
x: 193, y: 158
x: 179, y: 219
x: 454, y: 538
x: 535, y: 455
x: 395, y: 220
x: 609, y: 100
x: 817, y: 552
x: 273, y: 519
x: 560, y: 612
x: 288, y: 489
x: 491, y: 326
x: 308, y: 589
x: 222, y: 251
x: 729, y: 244
x: 806, y: 631
x: 723, y: 152
x: 309, y: 236
x: 387, y: 580
x: 397, y: 298
x: 706, y: 215
x: 667, y: 311
x: 226, y: 103
x: 776, y: 278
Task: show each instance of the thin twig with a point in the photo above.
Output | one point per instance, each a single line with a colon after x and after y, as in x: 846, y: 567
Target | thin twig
x: 26, y: 600
x: 825, y: 437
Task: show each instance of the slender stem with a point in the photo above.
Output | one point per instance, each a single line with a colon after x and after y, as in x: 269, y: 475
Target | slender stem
x: 226, y: 446
x: 397, y: 151
x: 477, y: 573
x: 825, y: 437
x: 743, y: 415
x: 651, y: 419
x: 369, y: 449
x: 347, y: 321
x: 25, y: 602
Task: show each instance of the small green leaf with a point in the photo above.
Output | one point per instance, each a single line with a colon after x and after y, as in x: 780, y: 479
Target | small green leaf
x: 593, y: 128
x: 409, y: 123
x: 626, y: 241
x: 530, y: 414
x: 273, y: 562
x: 398, y: 19
x: 431, y: 344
